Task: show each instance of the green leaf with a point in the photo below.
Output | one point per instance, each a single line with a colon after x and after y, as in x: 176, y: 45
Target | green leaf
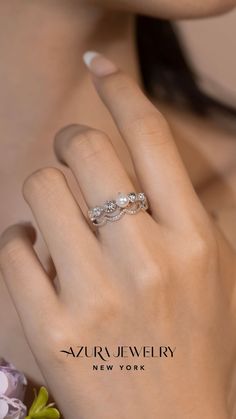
x: 40, y: 401
x: 40, y: 409
x: 47, y: 413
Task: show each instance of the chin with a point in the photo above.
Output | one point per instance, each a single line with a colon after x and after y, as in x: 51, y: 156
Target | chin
x: 199, y: 8
x: 170, y: 9
x: 216, y: 7
x: 194, y: 9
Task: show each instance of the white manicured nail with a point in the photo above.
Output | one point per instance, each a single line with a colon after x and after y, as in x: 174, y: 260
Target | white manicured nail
x: 89, y: 56
x: 99, y: 65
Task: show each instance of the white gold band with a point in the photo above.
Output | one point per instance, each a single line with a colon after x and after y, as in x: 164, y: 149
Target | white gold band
x: 115, y: 209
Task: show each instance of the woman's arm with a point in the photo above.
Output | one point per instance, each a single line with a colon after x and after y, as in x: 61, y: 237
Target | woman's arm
x: 142, y: 323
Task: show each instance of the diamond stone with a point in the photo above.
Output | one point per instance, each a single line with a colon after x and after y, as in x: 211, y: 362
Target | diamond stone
x: 132, y: 197
x: 97, y: 211
x: 110, y: 206
x: 141, y: 196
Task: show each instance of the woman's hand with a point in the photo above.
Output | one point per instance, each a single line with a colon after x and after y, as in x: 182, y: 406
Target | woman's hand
x: 160, y: 280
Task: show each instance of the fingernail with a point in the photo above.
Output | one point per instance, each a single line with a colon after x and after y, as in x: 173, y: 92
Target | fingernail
x: 99, y: 65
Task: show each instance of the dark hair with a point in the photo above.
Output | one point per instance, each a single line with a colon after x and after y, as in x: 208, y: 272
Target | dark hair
x: 166, y: 70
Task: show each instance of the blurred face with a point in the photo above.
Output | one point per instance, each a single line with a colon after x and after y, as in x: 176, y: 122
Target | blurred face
x: 170, y: 9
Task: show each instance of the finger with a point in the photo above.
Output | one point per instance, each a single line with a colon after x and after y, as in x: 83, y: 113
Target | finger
x: 30, y: 288
x: 154, y: 153
x: 63, y: 227
x: 93, y: 160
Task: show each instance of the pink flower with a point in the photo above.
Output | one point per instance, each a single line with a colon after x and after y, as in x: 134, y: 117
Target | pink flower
x: 12, y: 391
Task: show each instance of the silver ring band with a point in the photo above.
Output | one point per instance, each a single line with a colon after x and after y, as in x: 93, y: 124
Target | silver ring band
x: 115, y: 209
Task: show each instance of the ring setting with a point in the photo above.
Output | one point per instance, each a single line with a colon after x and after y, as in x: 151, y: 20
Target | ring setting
x: 114, y: 209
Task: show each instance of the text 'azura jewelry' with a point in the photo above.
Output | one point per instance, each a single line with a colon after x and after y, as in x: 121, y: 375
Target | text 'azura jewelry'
x: 115, y: 209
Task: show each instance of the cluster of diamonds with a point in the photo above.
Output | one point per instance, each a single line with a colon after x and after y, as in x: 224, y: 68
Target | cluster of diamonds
x: 113, y: 210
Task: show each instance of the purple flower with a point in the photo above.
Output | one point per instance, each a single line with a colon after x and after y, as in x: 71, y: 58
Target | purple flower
x: 12, y: 391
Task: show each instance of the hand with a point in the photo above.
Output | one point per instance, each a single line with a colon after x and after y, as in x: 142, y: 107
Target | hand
x: 165, y: 279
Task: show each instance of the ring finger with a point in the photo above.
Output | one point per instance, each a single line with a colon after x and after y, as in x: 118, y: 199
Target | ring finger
x: 100, y: 174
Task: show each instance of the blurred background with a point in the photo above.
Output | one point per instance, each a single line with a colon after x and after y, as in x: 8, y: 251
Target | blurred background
x: 212, y: 46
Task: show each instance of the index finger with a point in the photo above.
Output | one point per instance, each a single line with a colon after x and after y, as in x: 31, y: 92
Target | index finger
x: 154, y: 153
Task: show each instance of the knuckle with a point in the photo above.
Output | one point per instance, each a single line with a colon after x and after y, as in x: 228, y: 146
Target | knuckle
x: 117, y: 82
x: 40, y: 180
x: 103, y: 310
x: 10, y: 250
x: 56, y: 341
x: 201, y: 247
x: 146, y: 121
x: 59, y: 333
x: 152, y: 126
x: 199, y: 240
x: 87, y: 145
x: 154, y: 290
x: 151, y: 120
x: 154, y: 286
x: 57, y: 337
x: 151, y: 276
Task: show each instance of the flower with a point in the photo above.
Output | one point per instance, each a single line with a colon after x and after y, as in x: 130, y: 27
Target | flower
x: 12, y: 390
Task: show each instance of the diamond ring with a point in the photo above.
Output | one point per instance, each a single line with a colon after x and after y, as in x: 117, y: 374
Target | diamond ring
x: 115, y: 209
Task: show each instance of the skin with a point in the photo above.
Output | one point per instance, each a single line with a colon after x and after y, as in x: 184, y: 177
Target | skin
x: 169, y: 9
x: 68, y: 29
x: 151, y: 296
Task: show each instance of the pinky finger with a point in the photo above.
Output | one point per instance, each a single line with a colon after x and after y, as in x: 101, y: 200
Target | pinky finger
x: 31, y: 290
